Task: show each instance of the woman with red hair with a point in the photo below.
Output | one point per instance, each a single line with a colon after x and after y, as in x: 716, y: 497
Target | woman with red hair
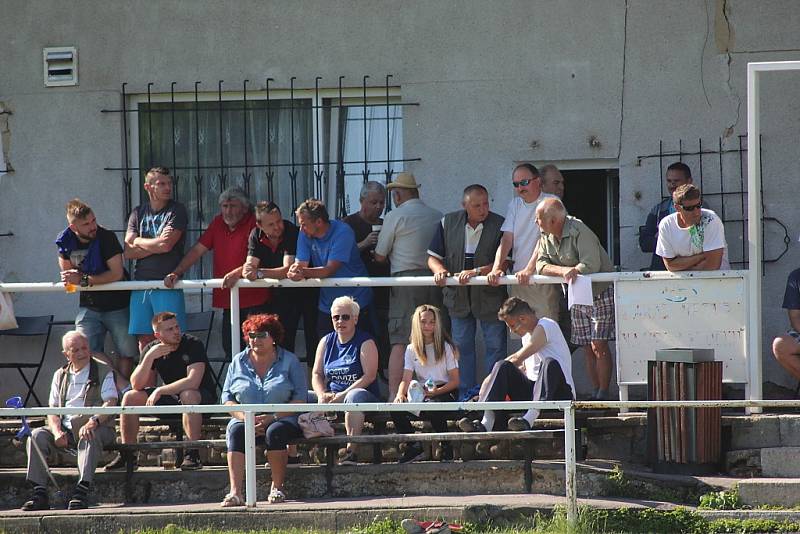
x: 263, y: 373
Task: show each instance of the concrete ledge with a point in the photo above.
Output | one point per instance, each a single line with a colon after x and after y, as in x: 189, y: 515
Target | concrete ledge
x: 780, y: 462
x: 783, y: 492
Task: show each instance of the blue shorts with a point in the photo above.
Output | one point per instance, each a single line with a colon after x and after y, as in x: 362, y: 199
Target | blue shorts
x: 94, y: 325
x: 145, y: 304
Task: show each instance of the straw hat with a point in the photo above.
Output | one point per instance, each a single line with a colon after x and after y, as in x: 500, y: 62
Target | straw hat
x: 404, y: 180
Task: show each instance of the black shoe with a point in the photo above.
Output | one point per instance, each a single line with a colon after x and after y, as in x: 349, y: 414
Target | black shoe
x: 465, y: 425
x: 413, y: 453
x: 447, y: 453
x: 39, y: 501
x: 518, y: 424
x: 191, y: 462
x: 80, y: 499
x: 349, y: 459
x: 120, y: 462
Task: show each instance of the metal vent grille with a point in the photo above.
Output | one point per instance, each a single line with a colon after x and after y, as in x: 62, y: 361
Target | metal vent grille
x: 60, y: 66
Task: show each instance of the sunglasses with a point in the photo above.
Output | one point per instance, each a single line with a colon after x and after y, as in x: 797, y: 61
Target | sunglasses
x: 343, y: 317
x: 257, y: 335
x: 691, y: 208
x: 523, y: 183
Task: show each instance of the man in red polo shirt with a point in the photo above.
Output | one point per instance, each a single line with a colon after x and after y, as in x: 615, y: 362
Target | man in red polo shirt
x: 227, y: 236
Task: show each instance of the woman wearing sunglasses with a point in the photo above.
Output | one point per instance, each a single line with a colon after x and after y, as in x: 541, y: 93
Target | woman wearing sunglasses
x: 263, y: 373
x: 345, y: 368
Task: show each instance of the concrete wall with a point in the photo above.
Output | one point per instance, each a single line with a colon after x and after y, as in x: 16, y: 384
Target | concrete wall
x: 491, y: 80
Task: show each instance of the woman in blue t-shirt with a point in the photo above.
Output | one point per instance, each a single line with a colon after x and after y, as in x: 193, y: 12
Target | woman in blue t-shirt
x: 345, y: 368
x: 263, y: 373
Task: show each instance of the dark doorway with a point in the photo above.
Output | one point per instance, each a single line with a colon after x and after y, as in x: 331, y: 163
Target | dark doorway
x: 592, y: 195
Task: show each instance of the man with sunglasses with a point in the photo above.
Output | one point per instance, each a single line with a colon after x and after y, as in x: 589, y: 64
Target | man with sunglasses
x: 520, y: 235
x: 692, y: 238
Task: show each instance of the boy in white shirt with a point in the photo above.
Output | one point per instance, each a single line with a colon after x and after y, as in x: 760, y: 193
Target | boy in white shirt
x: 540, y: 370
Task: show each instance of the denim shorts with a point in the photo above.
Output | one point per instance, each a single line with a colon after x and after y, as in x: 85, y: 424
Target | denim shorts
x: 145, y: 304
x: 95, y: 324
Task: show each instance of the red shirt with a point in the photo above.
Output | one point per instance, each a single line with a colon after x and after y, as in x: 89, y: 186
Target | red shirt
x: 230, y: 252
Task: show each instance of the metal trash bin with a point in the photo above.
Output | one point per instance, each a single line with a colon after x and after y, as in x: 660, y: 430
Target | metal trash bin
x: 684, y: 440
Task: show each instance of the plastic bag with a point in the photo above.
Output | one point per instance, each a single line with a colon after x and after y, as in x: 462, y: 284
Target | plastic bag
x: 315, y: 425
x: 7, y: 319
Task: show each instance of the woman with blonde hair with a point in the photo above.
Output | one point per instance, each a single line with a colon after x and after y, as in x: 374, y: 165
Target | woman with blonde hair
x: 431, y: 357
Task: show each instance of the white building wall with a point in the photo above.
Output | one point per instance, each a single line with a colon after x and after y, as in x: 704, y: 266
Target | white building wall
x: 491, y: 78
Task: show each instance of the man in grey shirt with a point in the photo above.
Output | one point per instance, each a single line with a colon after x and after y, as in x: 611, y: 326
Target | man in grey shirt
x: 155, y: 239
x: 407, y: 231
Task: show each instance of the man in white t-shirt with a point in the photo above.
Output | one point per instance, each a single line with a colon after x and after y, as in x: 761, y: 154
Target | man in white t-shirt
x: 540, y: 370
x: 520, y: 235
x: 692, y: 238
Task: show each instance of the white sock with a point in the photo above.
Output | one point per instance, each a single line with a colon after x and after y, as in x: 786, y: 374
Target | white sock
x: 530, y: 416
x: 488, y: 420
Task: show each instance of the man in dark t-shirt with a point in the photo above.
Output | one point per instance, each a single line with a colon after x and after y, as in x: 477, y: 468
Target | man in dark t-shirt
x: 180, y: 361
x: 366, y: 224
x: 89, y: 255
x: 271, y: 250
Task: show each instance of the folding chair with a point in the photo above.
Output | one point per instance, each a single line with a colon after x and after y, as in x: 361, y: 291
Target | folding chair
x: 30, y: 326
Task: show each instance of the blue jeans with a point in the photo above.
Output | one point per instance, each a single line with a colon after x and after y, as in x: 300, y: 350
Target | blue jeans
x: 94, y: 325
x: 494, y: 338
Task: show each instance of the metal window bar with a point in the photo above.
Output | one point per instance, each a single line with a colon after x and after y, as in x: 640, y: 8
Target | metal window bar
x: 730, y: 202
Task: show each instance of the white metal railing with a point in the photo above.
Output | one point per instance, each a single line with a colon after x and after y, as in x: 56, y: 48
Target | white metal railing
x: 754, y: 358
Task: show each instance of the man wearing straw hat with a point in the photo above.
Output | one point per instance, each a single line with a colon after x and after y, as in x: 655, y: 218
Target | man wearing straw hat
x: 403, y: 241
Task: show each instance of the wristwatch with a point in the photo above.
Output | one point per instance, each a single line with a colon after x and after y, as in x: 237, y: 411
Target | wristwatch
x: 84, y: 280
x: 259, y: 274
x: 95, y: 418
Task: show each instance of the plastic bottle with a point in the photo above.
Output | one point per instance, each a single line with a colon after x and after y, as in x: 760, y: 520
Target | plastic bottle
x: 430, y: 385
x: 70, y: 288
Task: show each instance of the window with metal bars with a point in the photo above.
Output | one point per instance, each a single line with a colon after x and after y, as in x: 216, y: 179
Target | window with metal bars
x: 281, y: 145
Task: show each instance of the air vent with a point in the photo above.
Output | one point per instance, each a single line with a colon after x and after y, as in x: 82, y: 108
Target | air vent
x: 60, y: 66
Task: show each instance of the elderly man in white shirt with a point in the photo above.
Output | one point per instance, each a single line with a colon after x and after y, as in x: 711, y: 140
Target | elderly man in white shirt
x: 83, y: 381
x: 403, y: 241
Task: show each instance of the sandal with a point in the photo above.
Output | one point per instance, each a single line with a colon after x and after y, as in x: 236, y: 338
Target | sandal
x: 276, y: 496
x: 232, y: 500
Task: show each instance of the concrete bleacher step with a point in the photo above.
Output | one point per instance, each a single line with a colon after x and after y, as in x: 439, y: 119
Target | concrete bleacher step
x: 209, y: 485
x: 780, y: 462
x: 783, y: 492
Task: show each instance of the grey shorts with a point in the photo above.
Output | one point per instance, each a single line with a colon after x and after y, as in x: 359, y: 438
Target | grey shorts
x: 403, y: 302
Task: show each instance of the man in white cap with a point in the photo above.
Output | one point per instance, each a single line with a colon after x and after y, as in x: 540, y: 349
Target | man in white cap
x: 403, y: 241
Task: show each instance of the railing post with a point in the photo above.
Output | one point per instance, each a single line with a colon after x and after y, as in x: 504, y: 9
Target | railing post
x: 250, y: 458
x: 569, y: 462
x: 235, y: 330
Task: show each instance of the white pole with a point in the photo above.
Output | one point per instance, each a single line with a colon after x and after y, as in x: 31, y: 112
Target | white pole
x: 754, y: 245
x: 250, y: 458
x: 235, y: 331
x: 569, y: 463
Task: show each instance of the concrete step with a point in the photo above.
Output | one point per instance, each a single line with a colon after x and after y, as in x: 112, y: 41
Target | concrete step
x: 209, y: 485
x: 783, y: 492
x: 780, y: 462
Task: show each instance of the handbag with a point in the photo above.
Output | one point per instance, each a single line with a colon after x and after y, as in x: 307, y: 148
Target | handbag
x: 7, y: 319
x: 315, y: 425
